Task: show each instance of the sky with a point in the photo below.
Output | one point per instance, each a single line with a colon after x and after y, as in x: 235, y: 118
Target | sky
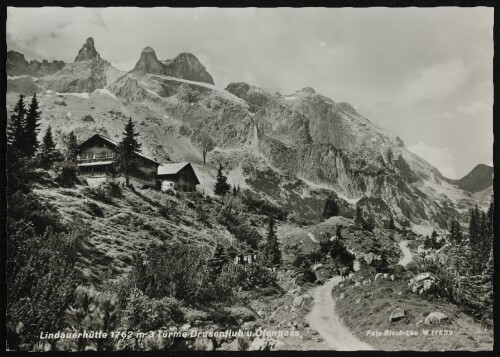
x: 424, y: 74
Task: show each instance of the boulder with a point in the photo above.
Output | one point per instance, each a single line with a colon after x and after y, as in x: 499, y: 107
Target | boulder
x: 185, y: 327
x: 397, y: 314
x: 424, y: 283
x: 377, y: 276
x: 88, y: 119
x: 358, y: 301
x: 298, y: 301
x: 250, y: 325
x: 306, y: 297
x: 435, y: 318
x: 317, y: 266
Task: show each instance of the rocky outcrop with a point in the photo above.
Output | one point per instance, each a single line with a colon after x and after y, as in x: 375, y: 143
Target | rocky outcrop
x: 184, y: 66
x: 397, y: 314
x: 17, y: 65
x: 87, y: 52
x: 425, y: 283
x: 149, y: 63
x: 88, y: 73
x: 435, y: 318
x: 187, y: 66
x: 254, y: 96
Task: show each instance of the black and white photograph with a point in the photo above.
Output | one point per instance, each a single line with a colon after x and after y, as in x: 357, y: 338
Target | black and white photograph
x: 249, y: 179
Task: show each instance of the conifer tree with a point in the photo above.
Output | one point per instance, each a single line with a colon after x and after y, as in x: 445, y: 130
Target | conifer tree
x: 474, y: 240
x: 48, y: 152
x: 32, y: 128
x: 218, y: 260
x: 16, y: 129
x: 221, y: 186
x: 127, y: 151
x: 390, y: 224
x: 272, y: 252
x: 456, y: 235
x: 358, y: 218
x: 330, y: 209
x: 235, y: 191
x: 71, y: 148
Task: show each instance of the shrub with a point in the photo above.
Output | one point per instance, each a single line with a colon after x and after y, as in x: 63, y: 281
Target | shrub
x: 31, y: 208
x: 263, y: 206
x: 105, y: 192
x: 67, y: 174
x: 40, y: 275
x: 94, y: 209
x: 91, y: 311
x: 148, y: 314
x: 164, y: 211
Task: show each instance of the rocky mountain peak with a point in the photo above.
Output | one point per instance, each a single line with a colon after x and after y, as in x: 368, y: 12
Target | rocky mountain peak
x: 187, y: 66
x: 87, y: 52
x: 184, y: 66
x: 148, y: 62
x: 308, y: 90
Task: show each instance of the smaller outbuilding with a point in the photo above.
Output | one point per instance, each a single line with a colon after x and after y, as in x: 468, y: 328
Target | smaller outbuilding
x: 178, y: 176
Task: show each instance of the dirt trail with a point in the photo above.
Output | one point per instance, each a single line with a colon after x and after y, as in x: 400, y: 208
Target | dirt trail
x: 407, y: 254
x: 324, y: 319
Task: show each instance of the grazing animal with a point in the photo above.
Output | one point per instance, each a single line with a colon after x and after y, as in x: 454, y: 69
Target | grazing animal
x: 344, y: 272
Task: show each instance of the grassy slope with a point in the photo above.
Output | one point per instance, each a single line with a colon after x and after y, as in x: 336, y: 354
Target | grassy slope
x: 130, y: 223
x: 378, y: 299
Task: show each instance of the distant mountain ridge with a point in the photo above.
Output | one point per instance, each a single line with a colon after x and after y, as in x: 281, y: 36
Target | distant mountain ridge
x: 479, y: 179
x: 292, y: 150
x: 17, y: 65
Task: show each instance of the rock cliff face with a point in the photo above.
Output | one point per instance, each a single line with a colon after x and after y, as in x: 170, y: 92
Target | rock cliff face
x: 292, y: 150
x: 255, y: 97
x: 184, y: 66
x: 87, y: 52
x: 17, y: 65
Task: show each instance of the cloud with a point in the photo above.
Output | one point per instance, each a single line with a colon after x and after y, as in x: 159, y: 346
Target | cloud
x: 440, y: 157
x: 437, y: 82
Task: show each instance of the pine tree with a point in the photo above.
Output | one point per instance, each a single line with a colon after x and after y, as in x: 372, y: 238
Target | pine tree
x: 272, y: 252
x: 474, y: 240
x: 330, y: 209
x: 32, y: 127
x: 71, y: 148
x: 390, y: 224
x: 433, y: 243
x: 48, y: 152
x: 235, y: 191
x: 16, y: 129
x: 127, y: 151
x: 221, y: 186
x: 456, y: 235
x: 358, y: 218
x: 218, y: 260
